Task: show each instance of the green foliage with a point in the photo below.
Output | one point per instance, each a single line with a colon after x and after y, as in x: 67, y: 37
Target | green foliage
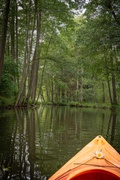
x: 8, y: 86
x: 4, y: 101
x: 75, y: 54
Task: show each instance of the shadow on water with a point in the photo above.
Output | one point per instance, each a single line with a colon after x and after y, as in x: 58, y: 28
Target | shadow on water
x: 37, y: 142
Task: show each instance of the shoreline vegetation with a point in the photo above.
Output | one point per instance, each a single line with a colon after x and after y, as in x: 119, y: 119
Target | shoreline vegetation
x: 10, y: 105
x: 60, y: 59
x: 85, y: 105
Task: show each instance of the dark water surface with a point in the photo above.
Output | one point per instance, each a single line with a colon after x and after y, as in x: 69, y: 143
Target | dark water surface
x: 35, y: 143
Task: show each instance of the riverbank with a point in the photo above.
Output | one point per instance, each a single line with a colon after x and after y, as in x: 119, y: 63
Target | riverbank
x: 83, y: 105
x: 10, y: 104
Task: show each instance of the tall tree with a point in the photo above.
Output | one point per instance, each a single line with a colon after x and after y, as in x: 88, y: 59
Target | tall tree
x: 4, y: 34
x: 46, y: 17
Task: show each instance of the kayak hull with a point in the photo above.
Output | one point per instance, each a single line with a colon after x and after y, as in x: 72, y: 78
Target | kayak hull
x: 97, y: 160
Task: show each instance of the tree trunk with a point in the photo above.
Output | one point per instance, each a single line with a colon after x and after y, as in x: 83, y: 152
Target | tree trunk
x: 114, y: 102
x: 22, y: 87
x: 43, y: 69
x: 12, y: 30
x: 103, y: 92
x: 52, y: 90
x: 35, y: 64
x: 4, y: 34
x: 16, y: 39
x: 109, y: 90
x: 114, y: 98
x: 107, y: 75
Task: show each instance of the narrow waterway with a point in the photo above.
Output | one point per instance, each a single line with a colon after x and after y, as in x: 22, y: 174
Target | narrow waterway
x: 35, y: 143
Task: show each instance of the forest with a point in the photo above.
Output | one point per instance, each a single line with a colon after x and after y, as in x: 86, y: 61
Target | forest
x: 59, y: 52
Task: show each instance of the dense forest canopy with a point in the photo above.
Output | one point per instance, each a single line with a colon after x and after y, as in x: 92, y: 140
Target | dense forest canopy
x: 59, y: 51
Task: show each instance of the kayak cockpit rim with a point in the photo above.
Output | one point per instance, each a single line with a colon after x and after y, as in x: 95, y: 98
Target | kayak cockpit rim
x: 93, y: 174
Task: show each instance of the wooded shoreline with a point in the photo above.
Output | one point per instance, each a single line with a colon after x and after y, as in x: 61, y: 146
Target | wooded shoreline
x: 71, y: 104
x: 69, y: 58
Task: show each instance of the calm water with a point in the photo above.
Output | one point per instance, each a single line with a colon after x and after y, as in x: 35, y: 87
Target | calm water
x: 37, y: 142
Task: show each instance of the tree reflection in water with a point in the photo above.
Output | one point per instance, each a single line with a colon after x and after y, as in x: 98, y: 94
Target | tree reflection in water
x: 37, y: 142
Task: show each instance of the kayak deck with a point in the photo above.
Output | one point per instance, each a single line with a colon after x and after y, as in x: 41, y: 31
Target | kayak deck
x: 97, y: 160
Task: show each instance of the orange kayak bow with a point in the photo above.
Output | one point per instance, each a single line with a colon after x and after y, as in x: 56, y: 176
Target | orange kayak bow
x: 97, y: 160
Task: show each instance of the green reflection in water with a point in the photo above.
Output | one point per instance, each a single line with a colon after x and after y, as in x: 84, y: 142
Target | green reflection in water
x: 37, y: 142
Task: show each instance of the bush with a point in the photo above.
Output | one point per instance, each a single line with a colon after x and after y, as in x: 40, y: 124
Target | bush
x: 8, y: 86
